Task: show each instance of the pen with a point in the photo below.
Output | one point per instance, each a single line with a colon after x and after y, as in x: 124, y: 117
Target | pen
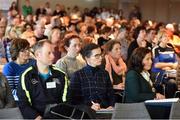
x: 93, y: 102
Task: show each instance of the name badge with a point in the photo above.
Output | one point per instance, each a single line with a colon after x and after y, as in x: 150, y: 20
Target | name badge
x: 50, y: 85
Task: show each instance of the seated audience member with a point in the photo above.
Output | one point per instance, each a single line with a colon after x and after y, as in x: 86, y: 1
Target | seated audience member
x: 56, y: 40
x: 164, y: 59
x: 151, y: 37
x: 48, y: 8
x: 55, y: 22
x: 20, y: 61
x: 40, y: 11
x: 41, y: 84
x: 71, y: 63
x: 104, y: 36
x: 115, y: 65
x: 138, y: 85
x: 91, y: 85
x: 39, y: 32
x: 2, y: 42
x: 59, y: 11
x: 6, y: 98
x: 27, y: 8
x: 123, y: 38
x: 13, y: 10
x: 28, y: 34
x: 140, y: 40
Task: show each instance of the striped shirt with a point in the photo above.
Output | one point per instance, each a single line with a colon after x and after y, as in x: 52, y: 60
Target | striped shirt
x: 12, y: 71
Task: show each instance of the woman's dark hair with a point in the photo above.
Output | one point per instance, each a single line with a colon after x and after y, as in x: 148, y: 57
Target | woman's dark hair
x: 90, y: 29
x: 105, y: 30
x: 86, y: 51
x: 135, y: 61
x: 110, y: 44
x: 67, y: 40
x: 137, y: 31
x: 17, y: 46
x: 12, y: 7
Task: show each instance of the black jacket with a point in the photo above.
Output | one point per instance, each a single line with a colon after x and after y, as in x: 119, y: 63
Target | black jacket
x: 34, y: 93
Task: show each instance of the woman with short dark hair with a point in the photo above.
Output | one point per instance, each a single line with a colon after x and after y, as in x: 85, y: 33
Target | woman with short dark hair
x: 20, y: 61
x: 138, y: 85
x: 91, y: 85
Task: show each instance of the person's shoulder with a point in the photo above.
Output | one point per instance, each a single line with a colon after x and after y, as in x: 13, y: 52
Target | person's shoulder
x: 82, y: 70
x: 133, y: 42
x: 62, y: 60
x: 61, y: 63
x: 28, y: 73
x: 132, y: 72
x: 156, y: 50
x: 29, y: 70
x: 156, y: 47
x: 102, y: 69
x: 9, y: 65
x: 57, y: 70
x: 169, y: 48
x: 132, y: 45
x: 32, y: 61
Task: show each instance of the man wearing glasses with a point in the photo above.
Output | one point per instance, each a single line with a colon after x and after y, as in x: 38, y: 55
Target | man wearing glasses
x: 91, y: 85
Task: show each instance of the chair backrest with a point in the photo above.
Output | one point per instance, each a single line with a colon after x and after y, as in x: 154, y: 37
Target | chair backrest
x: 174, y: 114
x: 10, y: 113
x: 130, y: 111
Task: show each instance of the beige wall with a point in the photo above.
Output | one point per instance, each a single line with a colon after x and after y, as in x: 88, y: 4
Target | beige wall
x: 109, y: 3
x: 68, y: 3
x: 160, y: 10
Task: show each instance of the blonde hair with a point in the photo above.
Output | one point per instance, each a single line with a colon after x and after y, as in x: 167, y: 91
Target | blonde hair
x: 160, y: 35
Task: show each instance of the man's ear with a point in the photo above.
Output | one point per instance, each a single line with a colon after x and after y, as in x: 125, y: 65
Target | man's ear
x: 36, y: 54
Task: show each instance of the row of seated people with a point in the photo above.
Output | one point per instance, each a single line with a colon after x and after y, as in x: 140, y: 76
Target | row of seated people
x: 42, y: 84
x: 99, y: 92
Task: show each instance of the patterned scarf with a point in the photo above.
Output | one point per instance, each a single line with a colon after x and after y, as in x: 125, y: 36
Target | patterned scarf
x: 118, y: 69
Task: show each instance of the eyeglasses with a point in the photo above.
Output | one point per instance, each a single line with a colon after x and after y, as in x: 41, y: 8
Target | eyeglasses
x: 97, y: 56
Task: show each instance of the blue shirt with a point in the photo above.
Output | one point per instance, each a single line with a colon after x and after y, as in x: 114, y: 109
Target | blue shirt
x: 12, y: 71
x: 45, y: 76
x: 166, y: 55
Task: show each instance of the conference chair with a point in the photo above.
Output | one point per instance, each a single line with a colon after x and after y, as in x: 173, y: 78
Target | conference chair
x: 174, y: 114
x: 130, y: 111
